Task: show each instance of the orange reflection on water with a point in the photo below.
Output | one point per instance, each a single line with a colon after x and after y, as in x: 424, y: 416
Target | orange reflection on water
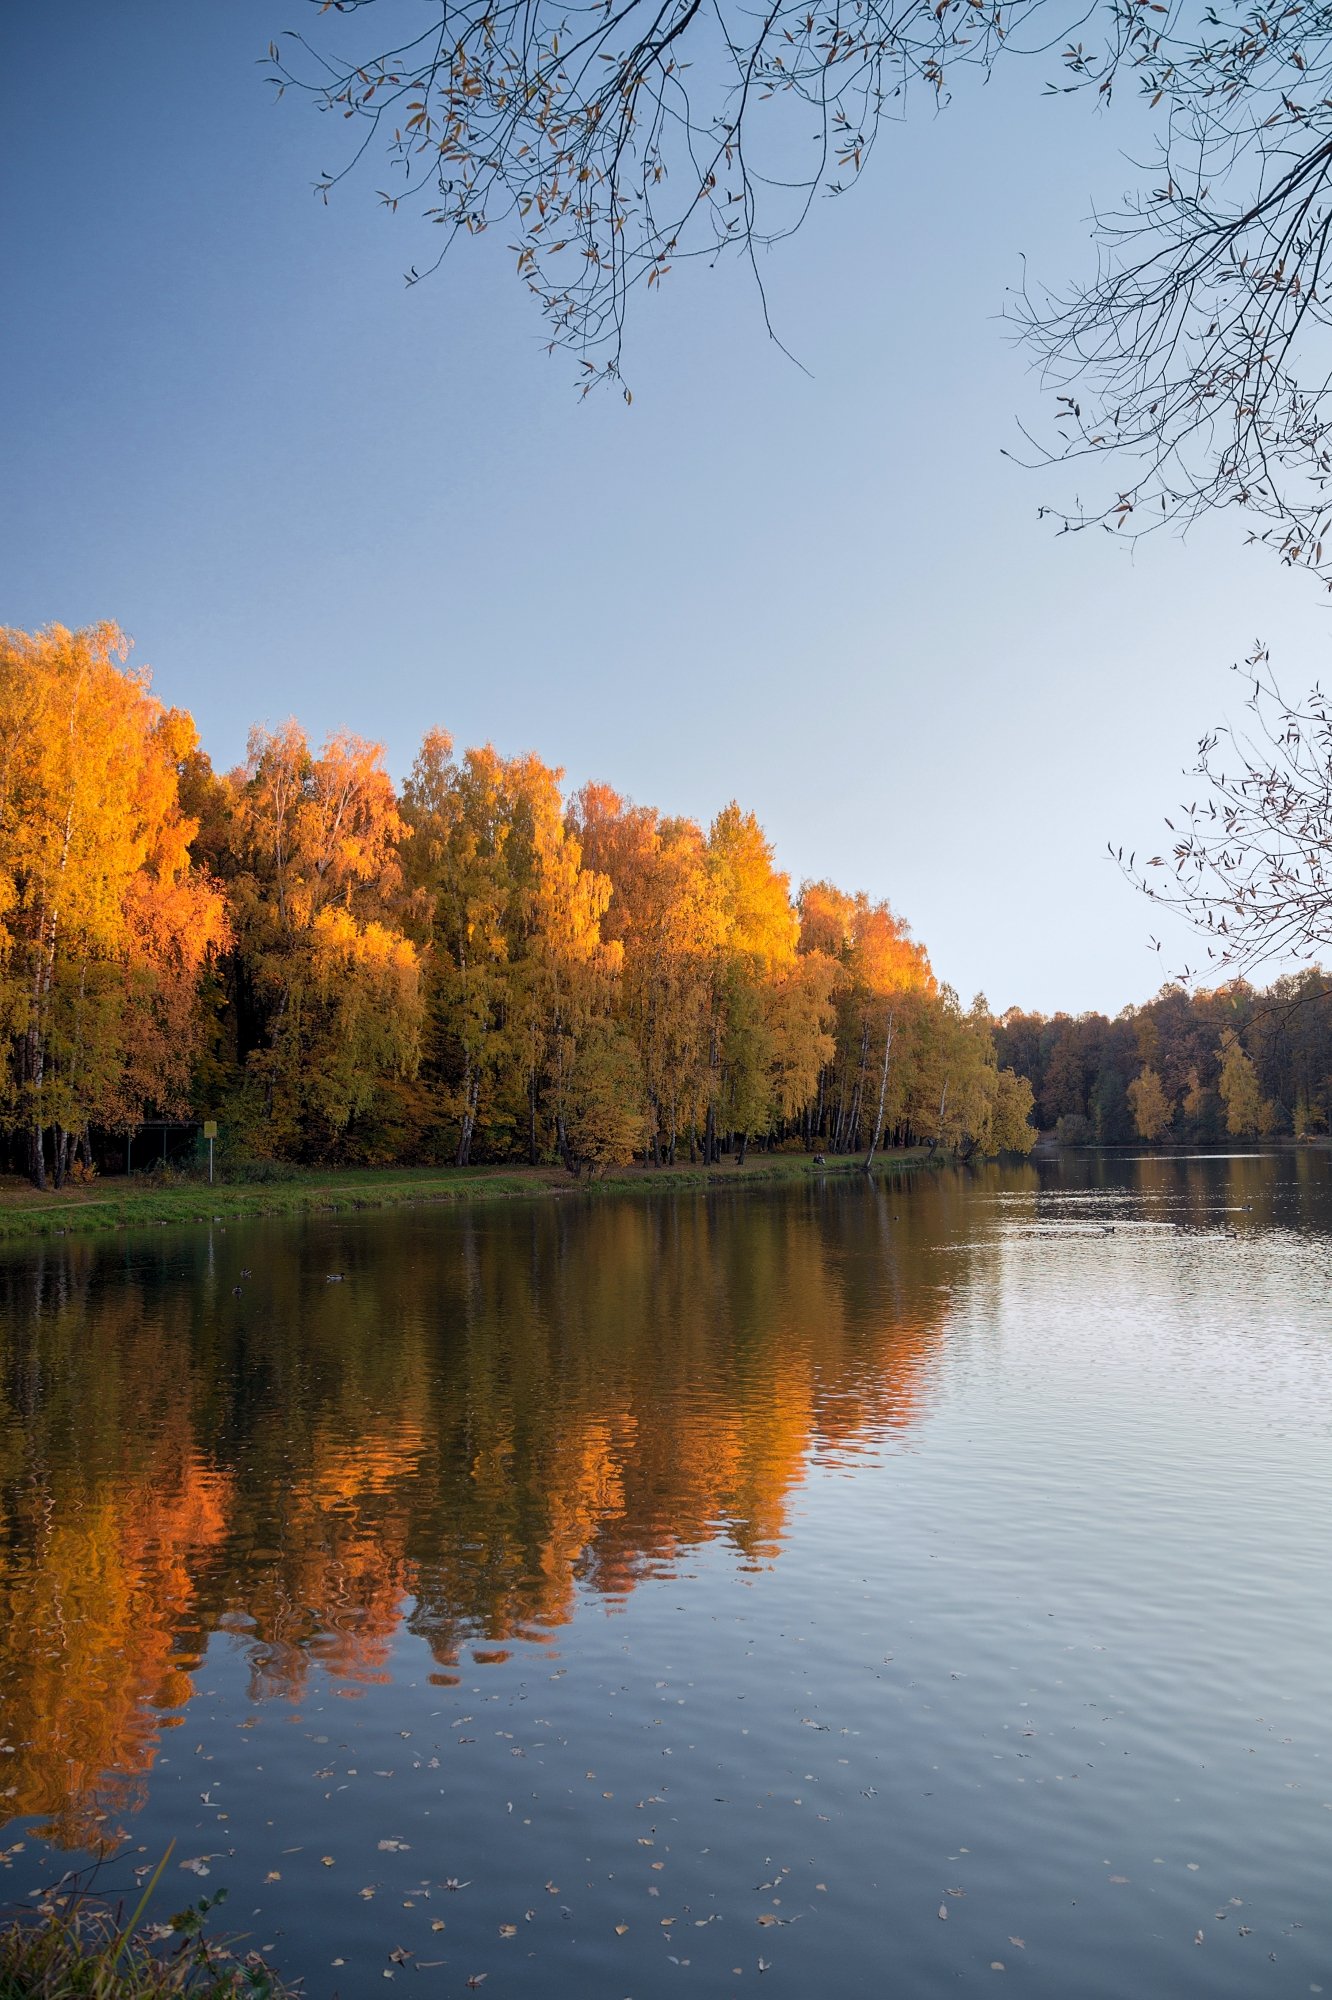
x: 464, y: 1437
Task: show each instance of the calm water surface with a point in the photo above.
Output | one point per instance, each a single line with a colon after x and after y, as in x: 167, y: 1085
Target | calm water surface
x: 882, y: 1590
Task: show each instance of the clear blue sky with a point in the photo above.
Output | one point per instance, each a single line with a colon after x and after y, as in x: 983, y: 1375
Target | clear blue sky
x: 304, y: 489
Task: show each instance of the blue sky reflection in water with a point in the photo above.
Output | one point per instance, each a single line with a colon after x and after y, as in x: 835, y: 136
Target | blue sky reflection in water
x: 824, y: 1585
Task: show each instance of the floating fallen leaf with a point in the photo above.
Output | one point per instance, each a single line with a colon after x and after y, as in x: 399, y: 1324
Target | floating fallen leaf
x: 508, y: 1930
x: 327, y: 1860
x: 943, y: 1913
x: 437, y: 1924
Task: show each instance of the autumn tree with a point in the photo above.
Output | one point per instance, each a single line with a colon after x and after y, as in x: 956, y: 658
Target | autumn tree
x: 517, y: 970
x: 460, y: 816
x: 876, y: 966
x: 1240, y: 1091
x: 566, y: 971
x: 105, y: 923
x: 961, y: 1099
x: 1010, y: 1114
x: 604, y: 1109
x: 666, y: 915
x: 760, y: 931
x: 330, y: 978
x: 1152, y: 1109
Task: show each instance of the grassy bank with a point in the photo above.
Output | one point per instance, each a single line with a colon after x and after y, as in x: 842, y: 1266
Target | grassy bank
x: 78, y: 1946
x: 143, y: 1200
x: 87, y: 1960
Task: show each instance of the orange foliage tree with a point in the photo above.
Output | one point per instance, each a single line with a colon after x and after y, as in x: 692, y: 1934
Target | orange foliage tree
x: 105, y: 920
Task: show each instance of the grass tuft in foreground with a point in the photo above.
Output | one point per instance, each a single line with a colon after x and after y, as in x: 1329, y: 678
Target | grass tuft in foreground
x: 78, y: 1947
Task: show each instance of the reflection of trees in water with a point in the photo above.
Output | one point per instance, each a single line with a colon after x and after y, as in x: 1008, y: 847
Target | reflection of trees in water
x: 493, y: 1412
x: 108, y: 1510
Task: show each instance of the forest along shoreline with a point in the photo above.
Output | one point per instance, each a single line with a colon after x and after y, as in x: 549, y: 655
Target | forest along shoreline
x: 327, y: 967
x: 28, y: 1213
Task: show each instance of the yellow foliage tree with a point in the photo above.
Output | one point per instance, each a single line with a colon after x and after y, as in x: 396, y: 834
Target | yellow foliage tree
x: 1151, y: 1108
x: 315, y: 887
x: 665, y: 914
x: 1239, y: 1089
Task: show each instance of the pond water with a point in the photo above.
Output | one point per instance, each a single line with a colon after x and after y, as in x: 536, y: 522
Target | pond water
x: 894, y: 1588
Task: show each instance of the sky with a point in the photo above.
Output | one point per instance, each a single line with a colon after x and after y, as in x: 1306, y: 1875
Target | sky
x: 304, y: 488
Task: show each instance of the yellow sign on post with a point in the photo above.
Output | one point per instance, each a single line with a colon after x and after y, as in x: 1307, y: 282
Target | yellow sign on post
x: 210, y: 1133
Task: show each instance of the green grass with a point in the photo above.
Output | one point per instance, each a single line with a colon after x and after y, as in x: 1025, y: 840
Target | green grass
x: 144, y: 1201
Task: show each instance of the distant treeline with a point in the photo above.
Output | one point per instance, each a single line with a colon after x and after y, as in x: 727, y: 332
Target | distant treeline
x: 1200, y: 1067
x: 473, y: 968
